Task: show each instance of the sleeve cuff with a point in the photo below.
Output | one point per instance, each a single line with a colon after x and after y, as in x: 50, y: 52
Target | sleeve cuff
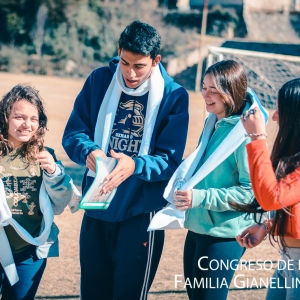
x: 257, y: 145
x: 93, y: 148
x: 138, y: 165
x: 198, y: 197
x: 57, y: 172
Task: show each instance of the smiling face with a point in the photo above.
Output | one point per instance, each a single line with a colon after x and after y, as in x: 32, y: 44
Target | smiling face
x: 23, y: 122
x: 214, y: 103
x: 136, y: 68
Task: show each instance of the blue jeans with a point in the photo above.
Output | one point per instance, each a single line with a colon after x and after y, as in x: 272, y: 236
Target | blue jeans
x: 286, y: 279
x: 206, y: 278
x: 30, y: 271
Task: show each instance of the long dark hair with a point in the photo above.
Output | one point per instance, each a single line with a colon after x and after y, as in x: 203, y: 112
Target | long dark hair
x: 285, y: 154
x: 231, y: 83
x: 36, y: 142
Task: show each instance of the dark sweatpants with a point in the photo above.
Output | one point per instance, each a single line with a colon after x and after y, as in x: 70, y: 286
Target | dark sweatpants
x: 118, y: 259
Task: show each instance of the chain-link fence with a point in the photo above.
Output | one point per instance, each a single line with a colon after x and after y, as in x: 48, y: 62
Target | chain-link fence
x: 266, y: 72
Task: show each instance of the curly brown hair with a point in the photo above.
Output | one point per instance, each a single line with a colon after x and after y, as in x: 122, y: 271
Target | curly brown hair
x: 36, y: 142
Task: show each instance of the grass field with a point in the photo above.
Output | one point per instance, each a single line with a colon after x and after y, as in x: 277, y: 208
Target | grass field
x: 61, y: 279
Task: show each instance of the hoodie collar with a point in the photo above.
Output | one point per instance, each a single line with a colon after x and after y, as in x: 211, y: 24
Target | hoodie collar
x: 250, y: 99
x: 235, y: 118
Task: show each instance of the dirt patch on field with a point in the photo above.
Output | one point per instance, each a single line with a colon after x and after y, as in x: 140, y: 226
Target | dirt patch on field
x: 61, y: 279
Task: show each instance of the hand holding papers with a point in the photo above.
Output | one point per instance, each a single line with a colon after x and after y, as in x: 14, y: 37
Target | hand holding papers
x: 93, y: 199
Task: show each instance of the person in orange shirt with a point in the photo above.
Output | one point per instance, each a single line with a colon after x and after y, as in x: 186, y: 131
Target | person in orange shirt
x: 276, y: 185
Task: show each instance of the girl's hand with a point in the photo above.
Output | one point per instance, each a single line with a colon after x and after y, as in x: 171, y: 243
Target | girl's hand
x: 252, y: 236
x: 183, y: 199
x: 253, y: 122
x: 46, y: 161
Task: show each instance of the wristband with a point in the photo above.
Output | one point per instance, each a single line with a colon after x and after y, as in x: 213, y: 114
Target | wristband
x: 255, y: 134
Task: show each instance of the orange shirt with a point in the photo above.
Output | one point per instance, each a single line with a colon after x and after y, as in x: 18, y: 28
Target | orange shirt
x: 271, y: 194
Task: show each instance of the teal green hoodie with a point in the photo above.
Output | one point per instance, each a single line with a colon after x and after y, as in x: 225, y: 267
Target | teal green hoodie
x: 211, y: 213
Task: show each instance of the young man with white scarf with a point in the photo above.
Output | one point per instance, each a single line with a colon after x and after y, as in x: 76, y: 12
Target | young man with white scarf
x: 133, y: 111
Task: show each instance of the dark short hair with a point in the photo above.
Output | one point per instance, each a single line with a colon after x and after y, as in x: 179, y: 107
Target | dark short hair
x: 140, y: 38
x: 231, y: 82
x: 36, y: 143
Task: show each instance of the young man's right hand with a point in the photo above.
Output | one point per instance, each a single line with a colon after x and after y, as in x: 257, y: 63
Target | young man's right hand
x: 91, y: 159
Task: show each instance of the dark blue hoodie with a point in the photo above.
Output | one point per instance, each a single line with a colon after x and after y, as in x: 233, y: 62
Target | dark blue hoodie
x: 143, y: 191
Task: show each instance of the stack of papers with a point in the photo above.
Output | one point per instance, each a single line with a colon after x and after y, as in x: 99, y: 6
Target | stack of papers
x: 93, y: 199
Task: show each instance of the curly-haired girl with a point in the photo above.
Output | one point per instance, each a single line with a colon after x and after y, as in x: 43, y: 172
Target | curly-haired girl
x: 33, y: 187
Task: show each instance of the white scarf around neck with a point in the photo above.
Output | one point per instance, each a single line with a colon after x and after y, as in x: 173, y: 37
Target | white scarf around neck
x: 106, y: 116
x: 183, y: 178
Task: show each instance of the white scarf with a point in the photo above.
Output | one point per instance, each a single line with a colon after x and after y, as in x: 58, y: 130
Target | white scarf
x: 6, y: 257
x: 106, y: 116
x: 183, y: 178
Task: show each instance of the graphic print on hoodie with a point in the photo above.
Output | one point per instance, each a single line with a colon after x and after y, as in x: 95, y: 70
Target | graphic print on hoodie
x: 128, y: 128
